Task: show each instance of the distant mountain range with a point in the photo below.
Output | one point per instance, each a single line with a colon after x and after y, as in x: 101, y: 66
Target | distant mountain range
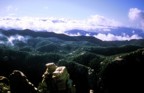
x: 43, y: 34
x: 119, y: 31
x: 80, y: 32
x: 4, y: 34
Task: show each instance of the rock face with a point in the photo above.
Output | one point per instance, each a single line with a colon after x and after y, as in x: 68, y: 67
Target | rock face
x: 4, y: 85
x: 61, y: 76
x: 20, y: 84
x: 125, y: 74
x: 4, y: 80
x: 57, y: 80
x: 79, y: 75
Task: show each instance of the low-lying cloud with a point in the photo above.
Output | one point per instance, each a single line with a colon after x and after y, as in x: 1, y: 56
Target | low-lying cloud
x: 111, y: 37
x: 11, y: 39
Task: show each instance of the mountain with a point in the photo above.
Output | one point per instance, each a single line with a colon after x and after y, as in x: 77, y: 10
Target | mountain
x: 43, y: 34
x: 21, y: 35
x: 32, y: 33
x: 80, y: 32
x: 124, y: 73
x: 119, y: 31
x: 87, y: 70
x: 126, y: 31
x: 92, y: 64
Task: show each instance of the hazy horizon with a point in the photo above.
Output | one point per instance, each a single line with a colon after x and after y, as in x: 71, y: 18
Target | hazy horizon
x: 62, y: 15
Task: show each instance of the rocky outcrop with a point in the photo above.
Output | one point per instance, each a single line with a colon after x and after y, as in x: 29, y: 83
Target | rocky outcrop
x: 79, y: 75
x: 125, y: 74
x: 4, y: 85
x: 20, y: 84
x: 4, y: 80
x: 56, y: 80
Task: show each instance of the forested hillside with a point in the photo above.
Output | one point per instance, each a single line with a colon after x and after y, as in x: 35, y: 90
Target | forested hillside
x: 101, y: 66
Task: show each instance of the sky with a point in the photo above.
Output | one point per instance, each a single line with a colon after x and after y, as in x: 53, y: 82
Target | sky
x: 61, y: 15
x: 77, y: 9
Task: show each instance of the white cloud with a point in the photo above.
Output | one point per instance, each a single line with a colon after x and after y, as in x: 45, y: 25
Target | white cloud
x: 11, y: 39
x: 58, y: 25
x: 87, y: 34
x: 134, y: 14
x: 97, y: 20
x: 1, y: 42
x: 111, y: 37
x: 77, y: 34
x: 11, y: 10
x: 137, y: 16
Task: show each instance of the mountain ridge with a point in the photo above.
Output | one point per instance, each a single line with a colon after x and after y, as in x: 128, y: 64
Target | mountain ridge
x: 119, y: 31
x: 32, y: 33
x: 43, y: 34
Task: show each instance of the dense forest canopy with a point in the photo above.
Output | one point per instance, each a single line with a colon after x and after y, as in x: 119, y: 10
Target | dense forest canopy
x: 92, y: 64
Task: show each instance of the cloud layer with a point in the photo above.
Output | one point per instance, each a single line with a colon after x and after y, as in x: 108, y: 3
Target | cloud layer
x: 58, y: 25
x: 111, y: 37
x: 137, y: 16
x: 11, y: 39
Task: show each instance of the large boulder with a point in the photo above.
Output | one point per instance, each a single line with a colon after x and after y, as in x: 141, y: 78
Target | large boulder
x: 20, y: 84
x: 61, y: 76
x: 79, y: 74
x: 4, y: 80
x: 48, y: 84
x: 125, y: 74
x: 4, y: 85
x: 56, y: 80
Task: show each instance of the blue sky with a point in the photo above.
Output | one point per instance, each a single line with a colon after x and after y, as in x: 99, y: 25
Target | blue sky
x: 62, y: 15
x: 77, y: 9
